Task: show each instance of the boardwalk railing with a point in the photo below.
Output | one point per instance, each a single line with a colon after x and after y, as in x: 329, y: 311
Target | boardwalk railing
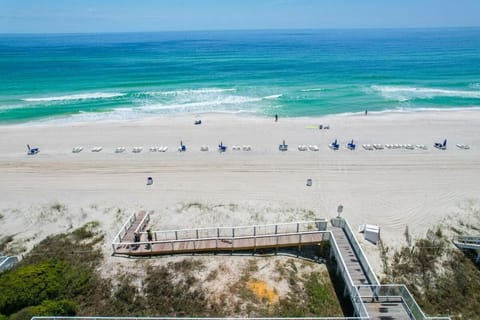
x: 352, y: 291
x: 124, y: 229
x: 221, y: 243
x: 342, y: 223
x: 393, y: 292
x: 226, y: 238
x: 7, y: 262
x: 473, y: 241
x: 143, y: 223
x: 242, y: 231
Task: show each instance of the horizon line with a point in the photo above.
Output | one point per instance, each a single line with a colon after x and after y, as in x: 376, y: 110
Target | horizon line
x: 243, y: 29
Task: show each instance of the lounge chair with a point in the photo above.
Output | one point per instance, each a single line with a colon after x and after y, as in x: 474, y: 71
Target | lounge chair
x: 463, y: 146
x: 32, y: 151
x: 120, y: 149
x: 351, y: 145
x: 441, y: 146
x: 421, y: 146
x: 334, y: 145
x: 283, y: 146
x: 182, y: 147
x: 378, y: 146
x: 137, y: 149
x: 367, y: 146
x: 97, y: 149
x: 313, y: 148
x: 221, y: 147
x: 197, y: 122
x: 77, y: 149
x: 153, y: 149
x: 204, y: 148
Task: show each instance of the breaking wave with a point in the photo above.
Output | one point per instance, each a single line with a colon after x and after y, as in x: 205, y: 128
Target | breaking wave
x: 80, y: 96
x: 402, y: 94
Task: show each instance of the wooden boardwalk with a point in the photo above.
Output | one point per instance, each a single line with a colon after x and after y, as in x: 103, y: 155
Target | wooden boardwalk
x: 378, y: 301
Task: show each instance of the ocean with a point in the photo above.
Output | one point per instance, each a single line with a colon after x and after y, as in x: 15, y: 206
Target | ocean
x: 292, y: 73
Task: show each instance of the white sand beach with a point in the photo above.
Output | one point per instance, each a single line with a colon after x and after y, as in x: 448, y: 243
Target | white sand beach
x: 392, y: 188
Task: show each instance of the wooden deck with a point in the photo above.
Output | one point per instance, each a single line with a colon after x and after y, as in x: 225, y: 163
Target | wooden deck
x: 387, y: 306
x: 351, y: 260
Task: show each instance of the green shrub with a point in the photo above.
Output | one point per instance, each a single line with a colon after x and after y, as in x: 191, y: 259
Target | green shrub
x: 47, y: 308
x: 33, y: 284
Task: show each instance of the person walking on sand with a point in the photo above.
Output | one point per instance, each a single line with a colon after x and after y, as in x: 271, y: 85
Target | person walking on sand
x: 366, y: 111
x: 276, y: 117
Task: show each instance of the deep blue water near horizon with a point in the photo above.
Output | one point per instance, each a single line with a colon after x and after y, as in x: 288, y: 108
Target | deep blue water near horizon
x: 87, y: 77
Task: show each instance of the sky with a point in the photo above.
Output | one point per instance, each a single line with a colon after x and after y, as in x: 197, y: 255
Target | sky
x: 76, y: 16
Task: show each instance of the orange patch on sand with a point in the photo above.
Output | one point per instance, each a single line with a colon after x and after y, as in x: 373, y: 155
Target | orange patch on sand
x: 262, y: 290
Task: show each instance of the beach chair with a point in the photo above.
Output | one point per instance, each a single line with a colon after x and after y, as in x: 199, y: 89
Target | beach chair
x: 182, y: 147
x: 367, y: 146
x: 204, y: 148
x: 378, y: 146
x: 441, y: 146
x: 97, y: 149
x: 32, y: 151
x: 120, y: 149
x: 313, y: 148
x: 221, y: 147
x: 137, y: 149
x: 351, y: 145
x: 197, y: 122
x: 283, y: 146
x: 463, y: 146
x: 334, y: 145
x: 153, y: 149
x: 77, y: 149
x: 421, y: 146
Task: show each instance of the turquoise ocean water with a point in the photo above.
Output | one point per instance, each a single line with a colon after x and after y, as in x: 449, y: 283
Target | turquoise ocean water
x: 88, y: 77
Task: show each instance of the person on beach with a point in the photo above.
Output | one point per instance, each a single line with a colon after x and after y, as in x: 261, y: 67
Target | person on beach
x: 366, y: 111
x: 276, y: 117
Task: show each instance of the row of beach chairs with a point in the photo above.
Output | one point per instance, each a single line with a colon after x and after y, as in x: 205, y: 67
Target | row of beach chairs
x: 181, y: 148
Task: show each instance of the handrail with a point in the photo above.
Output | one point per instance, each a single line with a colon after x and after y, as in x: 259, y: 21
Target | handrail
x: 320, y: 224
x: 371, y: 276
x: 400, y: 291
x: 125, y: 228
x: 261, y: 236
x: 358, y: 305
x: 8, y: 262
x: 145, y: 220
x: 468, y: 239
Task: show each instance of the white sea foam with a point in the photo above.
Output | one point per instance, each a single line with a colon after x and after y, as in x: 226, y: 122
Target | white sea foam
x: 312, y: 90
x: 400, y: 93
x: 192, y: 91
x: 272, y: 97
x: 210, y: 104
x: 79, y: 96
